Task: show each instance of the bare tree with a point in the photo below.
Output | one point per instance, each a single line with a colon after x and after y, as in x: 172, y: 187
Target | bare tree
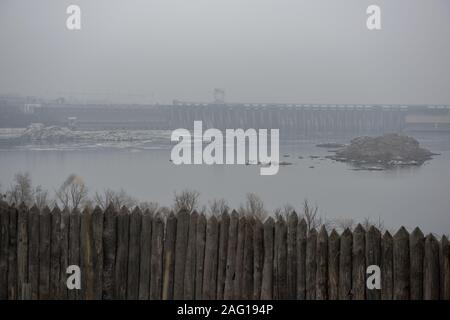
x: 217, y: 207
x: 21, y: 190
x: 41, y: 198
x: 186, y: 200
x: 310, y: 214
x: 116, y: 198
x: 72, y: 193
x: 254, y: 207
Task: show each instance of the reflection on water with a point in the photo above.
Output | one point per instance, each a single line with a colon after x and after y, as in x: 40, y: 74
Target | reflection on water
x: 407, y: 196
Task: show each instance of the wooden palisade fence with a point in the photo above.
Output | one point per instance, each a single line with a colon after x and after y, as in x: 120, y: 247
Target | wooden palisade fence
x: 135, y: 255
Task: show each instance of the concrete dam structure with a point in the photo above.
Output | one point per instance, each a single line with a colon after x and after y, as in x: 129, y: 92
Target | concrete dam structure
x: 293, y: 120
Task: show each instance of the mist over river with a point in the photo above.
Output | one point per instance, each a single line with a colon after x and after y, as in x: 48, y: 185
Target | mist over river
x: 412, y: 196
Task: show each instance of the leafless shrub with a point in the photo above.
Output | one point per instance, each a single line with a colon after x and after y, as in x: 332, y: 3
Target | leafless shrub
x: 254, y: 207
x: 217, y: 207
x: 116, y: 198
x: 186, y: 200
x: 311, y: 216
x: 42, y: 199
x: 72, y: 193
x: 21, y: 190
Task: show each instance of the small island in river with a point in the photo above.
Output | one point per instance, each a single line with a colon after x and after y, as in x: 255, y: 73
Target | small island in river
x: 387, y: 151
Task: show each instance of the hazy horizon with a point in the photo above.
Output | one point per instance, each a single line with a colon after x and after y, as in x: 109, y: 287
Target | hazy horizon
x: 281, y: 51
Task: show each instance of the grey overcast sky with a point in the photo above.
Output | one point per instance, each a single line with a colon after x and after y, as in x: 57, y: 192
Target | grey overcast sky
x: 316, y: 51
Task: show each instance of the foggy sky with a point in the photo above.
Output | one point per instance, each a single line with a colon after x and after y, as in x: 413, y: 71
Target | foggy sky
x: 257, y: 50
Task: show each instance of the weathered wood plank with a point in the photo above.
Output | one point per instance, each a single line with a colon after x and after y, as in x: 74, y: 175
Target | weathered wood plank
x: 33, y: 252
x: 97, y: 232
x: 55, y: 253
x: 86, y: 254
x: 189, y: 272
x: 373, y: 257
x: 156, y: 263
x: 267, y: 274
x: 292, y: 255
x: 280, y: 277
x: 445, y: 268
x: 387, y: 267
x: 311, y: 265
x: 345, y: 265
x: 64, y: 258
x: 416, y: 249
x: 200, y: 244
x: 145, y: 252
x: 258, y: 258
x: 401, y: 265
x: 22, y: 246
x: 222, y: 259
x: 359, y: 263
x: 301, y: 259
x: 13, y: 292
x: 431, y: 288
x: 180, y: 254
x: 45, y: 224
x: 210, y: 268
x: 109, y: 240
x: 134, y: 254
x: 74, y: 247
x: 169, y: 257
x: 322, y: 265
x: 4, y: 248
x: 333, y: 265
x: 231, y: 256
x: 247, y: 281
x: 239, y: 271
x: 121, y: 267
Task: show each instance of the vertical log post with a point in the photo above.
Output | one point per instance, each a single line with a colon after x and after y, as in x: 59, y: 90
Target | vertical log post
x: 401, y: 265
x: 301, y: 259
x: 345, y: 265
x: 416, y: 249
x: 267, y: 274
x: 322, y: 265
x: 359, y: 263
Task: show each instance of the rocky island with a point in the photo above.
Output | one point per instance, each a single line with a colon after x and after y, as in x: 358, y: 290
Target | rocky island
x: 383, y: 152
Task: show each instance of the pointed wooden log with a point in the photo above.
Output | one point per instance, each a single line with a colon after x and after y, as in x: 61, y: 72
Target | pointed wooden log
x: 322, y: 265
x: 145, y: 252
x: 134, y: 254
x: 169, y: 256
x: 311, y: 265
x: 359, y: 263
x: 401, y: 265
x: 431, y: 287
x: 373, y: 257
x: 345, y: 266
x: 333, y: 265
x: 416, y: 249
x: 189, y: 272
x: 387, y: 267
x: 231, y: 256
x: 109, y: 240
x: 44, y: 253
x: 222, y: 259
x: 180, y: 254
x: 267, y: 275
x: 258, y: 258
x: 301, y: 259
x: 292, y: 255
x: 121, y: 266
x: 200, y: 244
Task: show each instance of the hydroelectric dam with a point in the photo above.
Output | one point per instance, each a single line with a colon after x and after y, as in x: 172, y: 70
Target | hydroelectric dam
x: 293, y: 120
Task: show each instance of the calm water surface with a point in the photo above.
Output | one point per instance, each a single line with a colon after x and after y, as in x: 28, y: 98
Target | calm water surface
x: 409, y: 196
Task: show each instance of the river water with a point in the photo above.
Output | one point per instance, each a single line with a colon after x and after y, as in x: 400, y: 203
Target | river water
x: 418, y: 196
